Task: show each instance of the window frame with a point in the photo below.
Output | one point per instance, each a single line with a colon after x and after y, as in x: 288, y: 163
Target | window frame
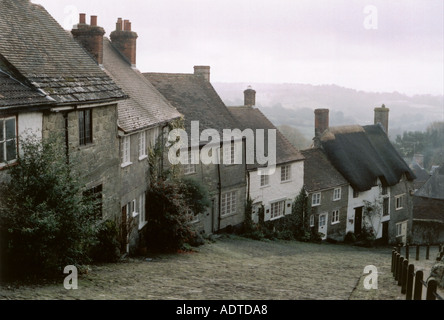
x: 5, y: 140
x: 228, y: 200
x: 143, y: 154
x: 286, y: 173
x: 190, y: 167
x: 399, y: 202
x: 280, y: 212
x: 143, y: 219
x: 85, y: 127
x: 264, y: 180
x: 316, y: 199
x: 312, y: 220
x: 126, y: 151
x: 337, y: 194
x: 335, y: 217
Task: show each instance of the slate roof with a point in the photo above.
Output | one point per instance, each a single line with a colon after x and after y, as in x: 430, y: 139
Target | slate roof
x: 362, y: 154
x: 145, y: 106
x: 49, y: 58
x: 428, y: 209
x: 319, y: 173
x: 252, y: 118
x: 433, y: 188
x: 196, y: 99
x: 15, y: 94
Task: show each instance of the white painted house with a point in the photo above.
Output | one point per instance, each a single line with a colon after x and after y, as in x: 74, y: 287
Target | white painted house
x: 274, y: 192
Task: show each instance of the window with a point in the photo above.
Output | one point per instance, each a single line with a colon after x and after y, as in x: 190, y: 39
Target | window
x: 385, y: 207
x: 322, y: 220
x: 384, y: 190
x: 399, y: 202
x: 335, y: 217
x: 265, y: 180
x: 189, y: 168
x: 228, y: 153
x: 277, y: 209
x: 316, y: 199
x: 399, y: 229
x: 355, y: 193
x: 228, y: 205
x: 142, y: 145
x: 8, y: 140
x: 85, y: 127
x: 285, y: 173
x: 126, y: 151
x: 337, y: 194
x: 95, y: 194
x: 142, y: 210
x: 312, y: 220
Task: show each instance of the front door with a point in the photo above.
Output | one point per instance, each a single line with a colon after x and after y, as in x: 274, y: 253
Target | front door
x: 323, y: 225
x: 124, y: 230
x: 209, y: 218
x: 358, y: 220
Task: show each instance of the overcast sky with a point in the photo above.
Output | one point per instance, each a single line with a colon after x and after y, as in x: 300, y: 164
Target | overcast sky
x: 367, y: 45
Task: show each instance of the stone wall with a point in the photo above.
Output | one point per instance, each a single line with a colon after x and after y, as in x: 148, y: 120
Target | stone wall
x: 96, y: 163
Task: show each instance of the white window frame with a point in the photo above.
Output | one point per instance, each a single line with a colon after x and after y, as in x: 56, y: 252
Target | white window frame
x: 399, y: 229
x: 399, y: 202
x: 286, y: 173
x: 277, y: 209
x: 154, y: 136
x: 126, y: 151
x: 316, y: 199
x: 142, y: 211
x: 142, y: 146
x: 228, y: 155
x: 335, y: 217
x: 337, y: 193
x: 264, y: 180
x: 189, y: 168
x: 323, y: 220
x: 5, y: 141
x: 229, y: 203
x: 312, y: 220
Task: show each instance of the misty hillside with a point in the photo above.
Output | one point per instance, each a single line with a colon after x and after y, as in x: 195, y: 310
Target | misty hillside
x: 293, y: 105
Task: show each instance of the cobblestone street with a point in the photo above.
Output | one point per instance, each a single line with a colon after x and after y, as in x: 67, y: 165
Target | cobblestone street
x: 233, y: 268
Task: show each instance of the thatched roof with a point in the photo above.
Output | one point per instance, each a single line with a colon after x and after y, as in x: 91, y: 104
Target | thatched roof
x: 362, y: 154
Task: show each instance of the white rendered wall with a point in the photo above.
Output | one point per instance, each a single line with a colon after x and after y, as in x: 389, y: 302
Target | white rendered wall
x: 31, y: 122
x: 277, y: 190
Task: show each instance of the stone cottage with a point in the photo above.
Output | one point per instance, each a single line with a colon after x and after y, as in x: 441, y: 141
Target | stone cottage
x: 61, y: 91
x: 142, y: 119
x: 327, y: 192
x: 273, y: 192
x: 225, y: 178
x: 380, y: 182
x: 428, y: 210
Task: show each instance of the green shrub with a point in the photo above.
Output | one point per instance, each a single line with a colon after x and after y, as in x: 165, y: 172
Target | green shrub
x: 106, y: 246
x: 170, y: 212
x: 45, y: 222
x: 350, y: 237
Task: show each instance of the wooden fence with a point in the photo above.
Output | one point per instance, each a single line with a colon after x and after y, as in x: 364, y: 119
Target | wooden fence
x: 412, y: 282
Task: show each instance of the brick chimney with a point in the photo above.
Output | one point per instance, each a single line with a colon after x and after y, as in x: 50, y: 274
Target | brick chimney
x: 321, y: 121
x: 124, y: 40
x: 249, y: 97
x: 382, y: 117
x: 90, y: 37
x: 203, y: 71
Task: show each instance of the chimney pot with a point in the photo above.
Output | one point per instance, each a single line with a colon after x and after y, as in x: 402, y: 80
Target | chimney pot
x: 119, y: 24
x: 93, y: 20
x: 125, y: 40
x: 203, y: 71
x: 82, y: 18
